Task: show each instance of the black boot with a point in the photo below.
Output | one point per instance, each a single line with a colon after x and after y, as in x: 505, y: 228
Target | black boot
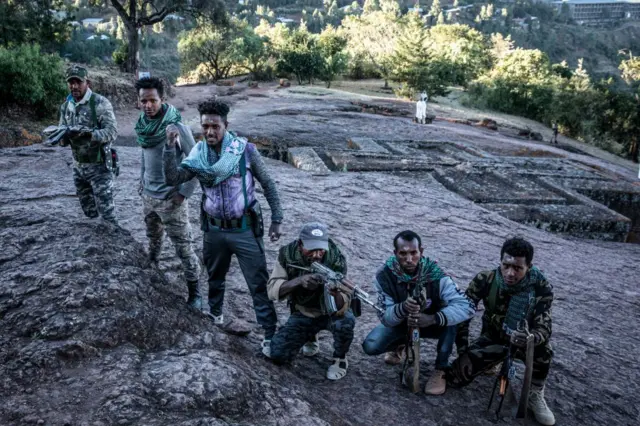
x: 194, y: 300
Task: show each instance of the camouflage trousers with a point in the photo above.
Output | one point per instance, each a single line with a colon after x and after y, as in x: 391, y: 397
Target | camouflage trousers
x: 94, y: 186
x: 167, y: 215
x: 485, y: 353
x: 301, y: 329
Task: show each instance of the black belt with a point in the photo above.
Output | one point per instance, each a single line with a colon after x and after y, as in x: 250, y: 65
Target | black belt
x: 229, y: 223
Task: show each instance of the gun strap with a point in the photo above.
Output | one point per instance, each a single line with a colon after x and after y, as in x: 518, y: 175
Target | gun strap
x: 493, y: 292
x: 243, y: 173
x: 92, y: 106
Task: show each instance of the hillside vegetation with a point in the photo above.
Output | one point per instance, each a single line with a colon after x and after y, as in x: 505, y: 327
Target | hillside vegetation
x: 522, y: 58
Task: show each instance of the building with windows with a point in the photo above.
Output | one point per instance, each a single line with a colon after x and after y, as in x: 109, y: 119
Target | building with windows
x: 597, y: 12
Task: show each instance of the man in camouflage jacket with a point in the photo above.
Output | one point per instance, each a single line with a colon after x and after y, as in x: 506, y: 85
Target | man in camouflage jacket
x: 95, y: 129
x: 515, y: 291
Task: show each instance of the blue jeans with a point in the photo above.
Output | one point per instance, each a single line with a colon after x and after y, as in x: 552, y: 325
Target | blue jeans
x: 385, y: 339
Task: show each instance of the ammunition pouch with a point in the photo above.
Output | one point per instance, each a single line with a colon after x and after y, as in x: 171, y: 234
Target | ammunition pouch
x: 111, y: 159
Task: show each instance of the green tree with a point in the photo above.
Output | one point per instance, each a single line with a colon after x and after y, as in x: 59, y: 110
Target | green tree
x: 373, y: 37
x: 435, y: 8
x: 215, y: 47
x: 332, y: 45
x: 501, y: 46
x: 441, y: 20
x: 136, y: 14
x: 371, y: 6
x: 520, y: 83
x: 31, y: 79
x: 35, y: 21
x: 300, y: 55
x: 630, y: 69
x: 413, y: 66
x: 252, y: 52
x: 461, y: 46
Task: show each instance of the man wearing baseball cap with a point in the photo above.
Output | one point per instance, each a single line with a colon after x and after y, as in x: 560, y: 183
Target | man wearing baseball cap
x: 306, y: 295
x: 92, y: 130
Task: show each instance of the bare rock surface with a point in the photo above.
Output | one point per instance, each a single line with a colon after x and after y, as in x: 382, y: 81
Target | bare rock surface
x: 94, y: 335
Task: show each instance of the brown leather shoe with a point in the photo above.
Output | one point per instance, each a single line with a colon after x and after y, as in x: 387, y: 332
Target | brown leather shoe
x: 395, y: 357
x: 437, y: 384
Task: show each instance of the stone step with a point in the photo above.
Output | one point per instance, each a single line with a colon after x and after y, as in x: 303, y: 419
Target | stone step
x: 366, y: 144
x: 305, y: 158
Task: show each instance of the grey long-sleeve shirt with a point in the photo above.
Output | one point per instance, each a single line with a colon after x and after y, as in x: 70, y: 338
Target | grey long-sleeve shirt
x: 152, y: 176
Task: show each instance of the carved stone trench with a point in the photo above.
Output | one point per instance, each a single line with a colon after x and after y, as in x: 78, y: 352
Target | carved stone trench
x: 546, y: 192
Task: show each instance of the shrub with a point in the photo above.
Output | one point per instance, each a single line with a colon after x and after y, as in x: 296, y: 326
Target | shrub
x: 31, y: 79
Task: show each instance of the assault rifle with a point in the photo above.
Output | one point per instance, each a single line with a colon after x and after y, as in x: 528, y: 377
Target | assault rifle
x: 411, y: 368
x: 508, y: 372
x: 55, y: 134
x: 336, y: 280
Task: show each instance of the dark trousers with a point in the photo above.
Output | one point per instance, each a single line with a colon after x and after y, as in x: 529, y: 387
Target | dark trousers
x: 484, y: 353
x: 219, y: 246
x: 386, y: 339
x: 300, y: 329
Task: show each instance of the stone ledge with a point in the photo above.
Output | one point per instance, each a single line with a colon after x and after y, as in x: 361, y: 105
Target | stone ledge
x: 305, y: 158
x: 366, y: 144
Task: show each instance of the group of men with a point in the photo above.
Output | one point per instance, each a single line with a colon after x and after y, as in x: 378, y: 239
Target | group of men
x: 226, y: 167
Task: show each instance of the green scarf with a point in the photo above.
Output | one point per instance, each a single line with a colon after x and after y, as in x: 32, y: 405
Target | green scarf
x: 333, y: 258
x: 152, y: 131
x: 427, y: 271
x: 292, y: 255
x: 522, y: 297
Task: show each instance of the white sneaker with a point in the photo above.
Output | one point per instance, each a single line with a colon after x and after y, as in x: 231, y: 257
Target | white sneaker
x: 338, y: 369
x: 310, y: 348
x: 266, y: 348
x: 538, y: 405
x: 218, y: 320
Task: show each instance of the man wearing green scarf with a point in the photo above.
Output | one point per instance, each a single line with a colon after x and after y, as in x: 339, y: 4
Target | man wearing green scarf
x: 443, y: 307
x: 165, y: 206
x: 513, y: 292
x: 305, y: 292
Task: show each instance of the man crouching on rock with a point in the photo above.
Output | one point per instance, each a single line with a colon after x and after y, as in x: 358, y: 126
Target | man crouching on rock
x: 306, y: 294
x: 513, y: 292
x: 165, y: 206
x: 226, y: 166
x: 444, y: 307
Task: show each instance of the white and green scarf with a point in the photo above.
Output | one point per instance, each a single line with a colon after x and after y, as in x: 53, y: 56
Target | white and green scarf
x: 211, y: 168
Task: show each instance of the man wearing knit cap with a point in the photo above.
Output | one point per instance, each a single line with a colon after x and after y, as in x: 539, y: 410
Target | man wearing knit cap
x: 305, y: 292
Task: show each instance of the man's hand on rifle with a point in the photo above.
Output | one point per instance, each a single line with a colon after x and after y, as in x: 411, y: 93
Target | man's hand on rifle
x: 422, y: 320
x: 75, y: 133
x: 411, y: 306
x: 519, y: 338
x: 311, y: 281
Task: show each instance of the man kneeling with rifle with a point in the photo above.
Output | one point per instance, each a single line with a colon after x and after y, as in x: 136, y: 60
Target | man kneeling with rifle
x: 314, y: 306
x: 418, y: 300
x: 513, y: 294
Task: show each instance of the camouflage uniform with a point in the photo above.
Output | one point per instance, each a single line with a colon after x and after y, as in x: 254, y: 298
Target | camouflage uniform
x: 161, y: 215
x: 93, y: 181
x: 492, y: 346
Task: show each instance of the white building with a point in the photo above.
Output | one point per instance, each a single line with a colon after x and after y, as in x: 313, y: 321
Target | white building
x: 92, y: 22
x: 595, y: 12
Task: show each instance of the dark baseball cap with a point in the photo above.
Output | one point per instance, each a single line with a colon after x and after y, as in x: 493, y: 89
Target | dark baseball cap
x: 78, y: 72
x: 314, y: 236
